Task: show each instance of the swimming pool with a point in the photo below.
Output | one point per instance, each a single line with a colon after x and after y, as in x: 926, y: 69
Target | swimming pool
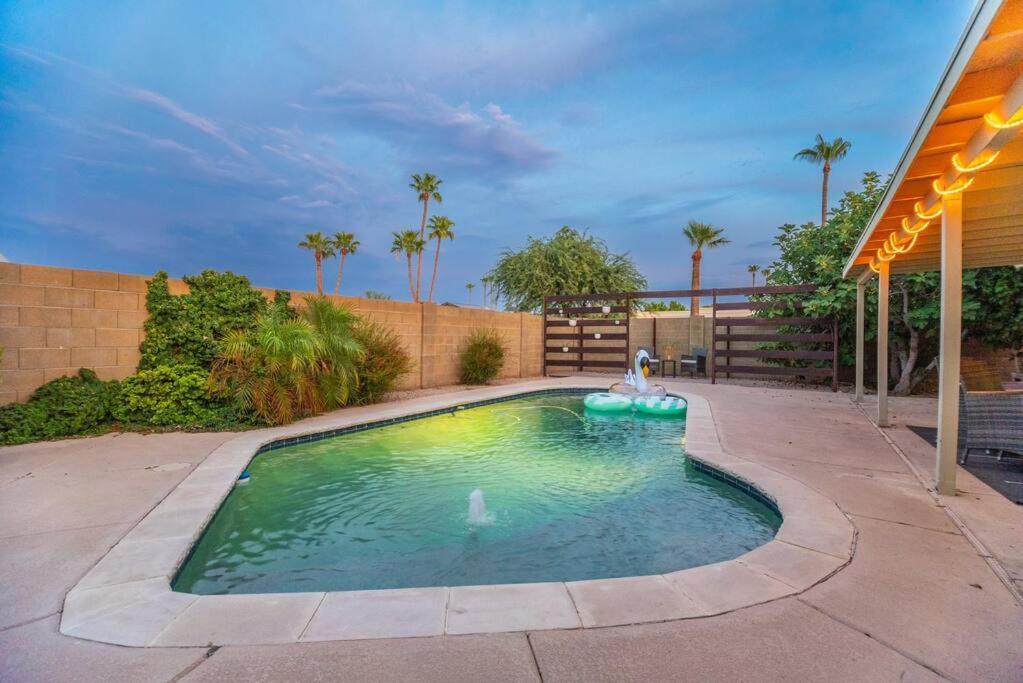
x: 569, y: 495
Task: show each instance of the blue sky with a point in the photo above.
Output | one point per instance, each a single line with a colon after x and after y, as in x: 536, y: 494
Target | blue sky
x: 142, y: 135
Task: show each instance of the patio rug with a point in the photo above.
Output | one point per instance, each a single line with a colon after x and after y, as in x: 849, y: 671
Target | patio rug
x: 1006, y: 476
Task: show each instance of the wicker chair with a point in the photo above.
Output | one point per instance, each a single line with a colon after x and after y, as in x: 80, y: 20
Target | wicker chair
x: 992, y: 420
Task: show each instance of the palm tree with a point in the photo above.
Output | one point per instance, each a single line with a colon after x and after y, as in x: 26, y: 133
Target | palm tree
x: 824, y: 153
x: 345, y: 244
x: 426, y: 187
x: 407, y: 242
x: 487, y: 290
x: 469, y: 287
x: 440, y: 229
x: 753, y: 270
x: 322, y: 248
x: 701, y: 236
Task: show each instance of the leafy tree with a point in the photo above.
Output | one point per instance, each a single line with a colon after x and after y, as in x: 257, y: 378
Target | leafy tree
x: 427, y: 187
x: 655, y: 306
x: 344, y: 243
x: 408, y: 242
x: 753, y: 269
x: 824, y: 153
x: 701, y: 236
x: 440, y: 229
x: 374, y: 294
x: 816, y: 254
x: 569, y: 262
x: 322, y: 248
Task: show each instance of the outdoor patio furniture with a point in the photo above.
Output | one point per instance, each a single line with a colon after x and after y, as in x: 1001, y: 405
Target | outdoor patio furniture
x: 664, y: 366
x: 992, y: 420
x: 696, y: 364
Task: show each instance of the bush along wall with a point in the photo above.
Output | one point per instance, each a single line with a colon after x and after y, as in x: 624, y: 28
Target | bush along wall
x: 349, y: 360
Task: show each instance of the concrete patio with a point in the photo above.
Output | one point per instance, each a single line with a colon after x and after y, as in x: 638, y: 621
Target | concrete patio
x: 922, y: 598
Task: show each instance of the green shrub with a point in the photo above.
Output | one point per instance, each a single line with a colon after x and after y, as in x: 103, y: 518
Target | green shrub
x: 172, y: 396
x: 185, y: 329
x: 483, y: 357
x: 287, y: 368
x: 67, y: 406
x: 384, y: 360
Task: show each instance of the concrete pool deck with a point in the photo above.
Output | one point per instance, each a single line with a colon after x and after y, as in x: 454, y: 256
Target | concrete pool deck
x: 917, y: 600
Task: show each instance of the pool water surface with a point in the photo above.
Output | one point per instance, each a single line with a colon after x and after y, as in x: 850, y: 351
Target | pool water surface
x: 569, y: 495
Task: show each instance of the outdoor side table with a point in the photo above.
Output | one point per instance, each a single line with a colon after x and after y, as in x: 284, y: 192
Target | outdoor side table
x: 664, y: 367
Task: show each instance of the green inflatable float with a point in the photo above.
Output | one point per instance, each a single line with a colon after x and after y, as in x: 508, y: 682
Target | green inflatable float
x: 660, y: 405
x: 608, y: 403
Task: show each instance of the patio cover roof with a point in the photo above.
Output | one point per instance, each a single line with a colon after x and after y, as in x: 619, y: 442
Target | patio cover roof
x: 975, y: 114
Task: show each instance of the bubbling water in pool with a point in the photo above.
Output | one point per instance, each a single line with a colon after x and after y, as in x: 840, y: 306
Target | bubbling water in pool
x: 478, y: 509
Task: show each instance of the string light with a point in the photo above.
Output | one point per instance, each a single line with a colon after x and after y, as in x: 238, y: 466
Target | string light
x: 955, y: 188
x: 922, y: 215
x: 976, y: 165
x: 906, y: 225
x: 892, y: 246
x: 995, y: 121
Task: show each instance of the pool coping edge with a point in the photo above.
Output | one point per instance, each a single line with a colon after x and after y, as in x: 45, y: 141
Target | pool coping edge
x: 126, y: 598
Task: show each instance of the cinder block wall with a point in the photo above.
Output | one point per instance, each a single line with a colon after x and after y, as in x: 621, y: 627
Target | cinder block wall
x: 56, y: 320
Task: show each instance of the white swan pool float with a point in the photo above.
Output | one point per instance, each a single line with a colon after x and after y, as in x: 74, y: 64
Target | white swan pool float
x: 636, y: 394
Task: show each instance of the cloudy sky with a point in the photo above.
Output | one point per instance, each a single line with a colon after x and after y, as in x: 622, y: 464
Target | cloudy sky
x: 152, y: 134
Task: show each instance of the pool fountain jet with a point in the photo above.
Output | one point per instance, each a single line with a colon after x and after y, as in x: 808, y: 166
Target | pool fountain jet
x: 478, y: 509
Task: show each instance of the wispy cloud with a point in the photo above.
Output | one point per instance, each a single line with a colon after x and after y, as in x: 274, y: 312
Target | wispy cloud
x: 175, y: 110
x: 488, y: 141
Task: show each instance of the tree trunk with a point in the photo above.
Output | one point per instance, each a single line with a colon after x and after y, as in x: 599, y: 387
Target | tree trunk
x: 411, y: 284
x: 695, y: 301
x: 319, y: 274
x: 754, y: 279
x: 824, y: 195
x: 340, y: 269
x: 436, y: 260
x: 419, y: 258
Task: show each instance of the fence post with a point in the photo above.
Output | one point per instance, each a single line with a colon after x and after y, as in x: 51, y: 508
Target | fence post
x: 712, y: 357
x: 543, y: 338
x: 834, y: 354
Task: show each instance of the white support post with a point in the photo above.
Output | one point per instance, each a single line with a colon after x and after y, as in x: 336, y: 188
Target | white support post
x: 882, y: 346
x: 950, y: 344
x: 861, y: 286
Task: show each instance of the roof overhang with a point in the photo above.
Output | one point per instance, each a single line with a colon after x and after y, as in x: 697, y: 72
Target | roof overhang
x: 967, y: 143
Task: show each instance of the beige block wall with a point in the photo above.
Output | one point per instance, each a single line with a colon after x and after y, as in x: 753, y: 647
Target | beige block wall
x: 56, y: 320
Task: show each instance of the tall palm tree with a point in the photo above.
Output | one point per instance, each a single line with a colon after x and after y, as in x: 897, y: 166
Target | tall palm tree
x: 407, y: 242
x: 701, y: 236
x: 427, y: 187
x: 488, y: 289
x: 469, y: 287
x: 753, y: 270
x: 824, y: 153
x: 345, y: 244
x: 322, y: 248
x: 440, y: 229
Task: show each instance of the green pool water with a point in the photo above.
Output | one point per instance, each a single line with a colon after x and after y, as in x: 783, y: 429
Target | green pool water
x: 569, y: 495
